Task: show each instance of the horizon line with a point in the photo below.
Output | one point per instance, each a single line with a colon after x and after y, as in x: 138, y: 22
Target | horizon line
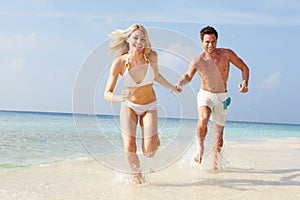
x: 99, y: 114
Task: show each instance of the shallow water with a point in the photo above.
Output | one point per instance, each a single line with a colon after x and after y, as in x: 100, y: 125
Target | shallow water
x: 30, y: 138
x: 65, y: 158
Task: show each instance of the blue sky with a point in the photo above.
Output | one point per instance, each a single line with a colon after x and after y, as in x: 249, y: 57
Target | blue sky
x: 44, y: 45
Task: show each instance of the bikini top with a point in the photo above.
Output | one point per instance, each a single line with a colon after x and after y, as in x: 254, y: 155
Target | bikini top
x: 148, y: 78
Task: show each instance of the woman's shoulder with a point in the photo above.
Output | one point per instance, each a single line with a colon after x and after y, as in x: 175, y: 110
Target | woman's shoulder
x: 120, y: 60
x: 152, y: 55
x: 118, y: 64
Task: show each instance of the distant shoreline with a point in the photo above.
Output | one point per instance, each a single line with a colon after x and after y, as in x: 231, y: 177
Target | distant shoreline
x: 98, y: 114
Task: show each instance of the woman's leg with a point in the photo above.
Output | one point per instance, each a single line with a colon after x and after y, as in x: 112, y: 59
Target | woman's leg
x: 128, y: 122
x: 150, y: 141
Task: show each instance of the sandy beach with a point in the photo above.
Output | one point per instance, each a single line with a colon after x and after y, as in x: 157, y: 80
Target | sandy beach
x: 262, y: 169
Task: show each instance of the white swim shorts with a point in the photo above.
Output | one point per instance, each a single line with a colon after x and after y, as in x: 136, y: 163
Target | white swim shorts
x: 217, y: 102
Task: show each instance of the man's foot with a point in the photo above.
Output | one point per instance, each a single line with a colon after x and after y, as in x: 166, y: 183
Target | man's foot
x: 199, y: 155
x: 215, y: 167
x: 217, y: 161
x: 198, y: 158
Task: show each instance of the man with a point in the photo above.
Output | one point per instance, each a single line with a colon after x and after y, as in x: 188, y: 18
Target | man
x: 213, y: 64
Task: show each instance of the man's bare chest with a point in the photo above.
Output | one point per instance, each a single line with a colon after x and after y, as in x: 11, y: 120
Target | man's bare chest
x: 221, y: 64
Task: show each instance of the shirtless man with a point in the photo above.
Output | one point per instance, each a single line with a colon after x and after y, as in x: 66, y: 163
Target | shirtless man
x: 212, y: 100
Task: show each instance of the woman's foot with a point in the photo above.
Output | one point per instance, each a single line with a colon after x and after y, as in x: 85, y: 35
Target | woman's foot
x: 138, y: 178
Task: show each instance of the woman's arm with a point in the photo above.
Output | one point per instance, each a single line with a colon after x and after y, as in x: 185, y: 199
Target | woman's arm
x: 111, y: 84
x: 158, y: 77
x: 161, y: 80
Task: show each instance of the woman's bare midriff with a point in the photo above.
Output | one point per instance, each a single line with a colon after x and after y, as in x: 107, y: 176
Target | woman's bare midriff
x: 142, y: 95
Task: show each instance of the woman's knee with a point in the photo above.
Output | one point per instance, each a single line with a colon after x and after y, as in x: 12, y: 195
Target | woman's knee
x: 148, y: 152
x: 130, y: 147
x: 150, y: 148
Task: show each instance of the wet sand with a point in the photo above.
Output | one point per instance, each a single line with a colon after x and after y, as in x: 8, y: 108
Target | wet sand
x: 265, y: 169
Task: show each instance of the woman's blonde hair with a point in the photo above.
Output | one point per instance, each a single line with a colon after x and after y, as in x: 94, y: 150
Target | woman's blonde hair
x: 120, y: 44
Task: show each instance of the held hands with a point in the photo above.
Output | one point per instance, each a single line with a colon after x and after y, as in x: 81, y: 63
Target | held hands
x: 243, y: 87
x: 177, y: 89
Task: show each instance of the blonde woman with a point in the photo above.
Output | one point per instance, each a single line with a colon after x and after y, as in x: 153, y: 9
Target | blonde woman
x: 137, y: 66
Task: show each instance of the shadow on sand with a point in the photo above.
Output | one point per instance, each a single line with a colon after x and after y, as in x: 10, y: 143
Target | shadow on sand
x: 223, y: 179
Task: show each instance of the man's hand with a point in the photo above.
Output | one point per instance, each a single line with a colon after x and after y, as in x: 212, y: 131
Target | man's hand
x: 243, y: 87
x: 178, y: 88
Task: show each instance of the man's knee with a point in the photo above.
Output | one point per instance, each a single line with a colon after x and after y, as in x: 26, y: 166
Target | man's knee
x: 203, y: 121
x: 202, y: 125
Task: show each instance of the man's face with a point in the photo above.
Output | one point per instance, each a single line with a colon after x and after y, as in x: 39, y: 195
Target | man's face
x: 209, y: 43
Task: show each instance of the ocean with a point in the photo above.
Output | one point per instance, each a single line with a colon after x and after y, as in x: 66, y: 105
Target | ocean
x: 39, y: 138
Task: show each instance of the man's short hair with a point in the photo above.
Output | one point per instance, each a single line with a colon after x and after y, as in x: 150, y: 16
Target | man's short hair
x: 208, y: 30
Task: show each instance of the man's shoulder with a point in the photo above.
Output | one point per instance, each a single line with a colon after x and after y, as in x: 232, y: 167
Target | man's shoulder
x: 197, y: 60
x: 225, y: 51
x: 199, y: 57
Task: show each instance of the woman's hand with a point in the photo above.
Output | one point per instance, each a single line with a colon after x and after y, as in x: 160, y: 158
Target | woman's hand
x: 176, y: 89
x: 125, y: 95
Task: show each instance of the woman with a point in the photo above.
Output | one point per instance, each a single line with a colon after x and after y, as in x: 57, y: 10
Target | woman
x: 137, y: 65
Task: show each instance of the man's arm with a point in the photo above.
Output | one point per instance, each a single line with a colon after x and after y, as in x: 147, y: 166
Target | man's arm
x: 187, y: 76
x: 239, y: 63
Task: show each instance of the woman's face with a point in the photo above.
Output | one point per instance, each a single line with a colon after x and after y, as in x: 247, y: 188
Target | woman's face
x: 137, y: 41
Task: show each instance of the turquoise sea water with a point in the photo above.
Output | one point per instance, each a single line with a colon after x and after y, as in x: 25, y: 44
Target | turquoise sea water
x: 30, y: 138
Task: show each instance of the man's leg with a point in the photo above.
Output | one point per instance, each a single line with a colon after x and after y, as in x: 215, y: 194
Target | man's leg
x: 218, y: 143
x: 203, y: 118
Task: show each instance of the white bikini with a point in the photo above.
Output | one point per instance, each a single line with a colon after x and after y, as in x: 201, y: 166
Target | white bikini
x: 148, y: 78
x: 139, y: 109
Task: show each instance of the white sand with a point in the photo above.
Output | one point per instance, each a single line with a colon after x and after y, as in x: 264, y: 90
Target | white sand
x: 268, y: 169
